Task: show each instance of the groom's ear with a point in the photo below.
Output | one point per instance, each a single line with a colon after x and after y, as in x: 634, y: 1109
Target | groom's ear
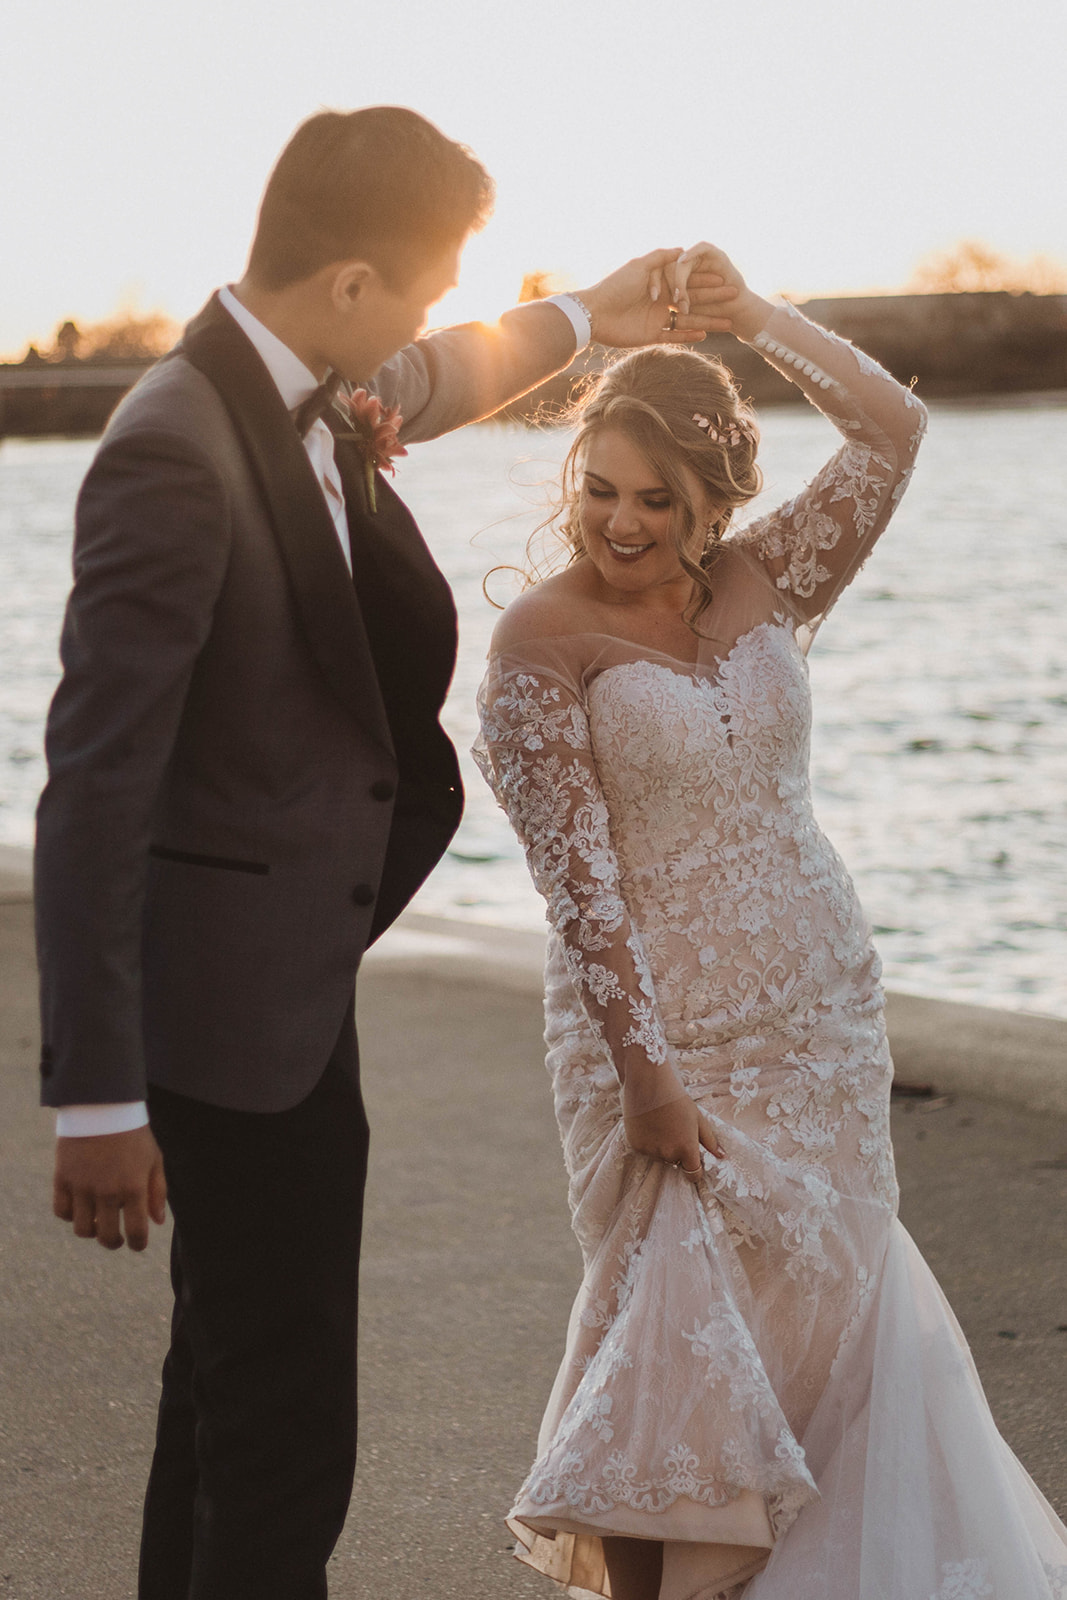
x: 352, y: 282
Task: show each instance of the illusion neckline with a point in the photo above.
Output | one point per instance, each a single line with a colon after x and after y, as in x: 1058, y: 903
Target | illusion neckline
x: 646, y: 652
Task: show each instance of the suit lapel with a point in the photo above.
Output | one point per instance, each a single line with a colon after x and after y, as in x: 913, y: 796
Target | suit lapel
x: 325, y: 598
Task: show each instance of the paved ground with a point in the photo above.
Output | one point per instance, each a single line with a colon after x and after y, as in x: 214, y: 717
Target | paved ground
x: 469, y: 1272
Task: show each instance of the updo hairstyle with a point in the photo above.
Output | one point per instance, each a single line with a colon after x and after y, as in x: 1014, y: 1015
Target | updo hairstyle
x: 654, y: 396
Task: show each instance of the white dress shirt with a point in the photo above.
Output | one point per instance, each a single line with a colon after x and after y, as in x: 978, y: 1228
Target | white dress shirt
x: 294, y: 383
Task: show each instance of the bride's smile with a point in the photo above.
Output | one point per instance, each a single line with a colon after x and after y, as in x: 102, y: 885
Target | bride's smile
x: 627, y: 514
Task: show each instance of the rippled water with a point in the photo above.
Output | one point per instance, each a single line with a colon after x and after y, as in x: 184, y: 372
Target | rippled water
x: 940, y: 744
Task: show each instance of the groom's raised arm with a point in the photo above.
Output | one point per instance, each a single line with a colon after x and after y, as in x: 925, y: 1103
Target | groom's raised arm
x: 463, y: 374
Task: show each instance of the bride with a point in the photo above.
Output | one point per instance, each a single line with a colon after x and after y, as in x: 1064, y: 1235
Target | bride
x: 764, y: 1391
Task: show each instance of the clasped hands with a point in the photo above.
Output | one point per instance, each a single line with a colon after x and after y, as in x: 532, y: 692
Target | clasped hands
x: 673, y: 297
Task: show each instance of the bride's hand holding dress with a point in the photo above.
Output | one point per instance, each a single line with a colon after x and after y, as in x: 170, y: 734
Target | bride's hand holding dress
x: 677, y: 1133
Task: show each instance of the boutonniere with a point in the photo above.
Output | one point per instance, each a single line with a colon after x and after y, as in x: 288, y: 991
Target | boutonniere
x: 376, y: 430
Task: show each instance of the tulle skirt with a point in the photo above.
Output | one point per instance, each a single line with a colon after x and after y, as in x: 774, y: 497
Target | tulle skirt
x: 761, y: 1372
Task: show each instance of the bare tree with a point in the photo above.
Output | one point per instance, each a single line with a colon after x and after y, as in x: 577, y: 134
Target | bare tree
x: 129, y: 335
x: 539, y: 285
x: 972, y: 267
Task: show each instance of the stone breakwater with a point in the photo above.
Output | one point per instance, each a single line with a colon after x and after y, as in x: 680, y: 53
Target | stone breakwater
x: 951, y: 345
x: 71, y: 399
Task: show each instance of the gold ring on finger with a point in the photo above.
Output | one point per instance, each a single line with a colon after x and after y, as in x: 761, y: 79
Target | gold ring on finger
x: 672, y: 320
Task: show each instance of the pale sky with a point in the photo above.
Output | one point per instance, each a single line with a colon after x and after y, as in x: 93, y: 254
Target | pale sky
x: 827, y: 145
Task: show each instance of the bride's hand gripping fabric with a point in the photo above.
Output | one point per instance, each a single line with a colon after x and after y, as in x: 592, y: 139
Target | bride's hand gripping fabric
x: 535, y: 753
x: 677, y: 1133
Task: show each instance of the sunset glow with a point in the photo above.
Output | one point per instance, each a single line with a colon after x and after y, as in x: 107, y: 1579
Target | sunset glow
x: 829, y: 148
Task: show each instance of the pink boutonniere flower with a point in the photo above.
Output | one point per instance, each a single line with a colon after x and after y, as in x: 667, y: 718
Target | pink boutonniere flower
x: 376, y: 430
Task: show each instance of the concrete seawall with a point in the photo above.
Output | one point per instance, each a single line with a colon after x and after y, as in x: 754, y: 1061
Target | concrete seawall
x: 952, y: 346
x: 71, y: 399
x: 1015, y: 1057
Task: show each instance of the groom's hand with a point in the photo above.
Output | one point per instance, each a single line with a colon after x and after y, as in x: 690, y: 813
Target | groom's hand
x: 108, y: 1180
x: 633, y: 306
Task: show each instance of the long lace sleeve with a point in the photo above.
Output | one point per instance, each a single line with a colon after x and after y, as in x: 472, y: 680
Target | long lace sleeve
x: 814, y: 544
x: 534, y: 752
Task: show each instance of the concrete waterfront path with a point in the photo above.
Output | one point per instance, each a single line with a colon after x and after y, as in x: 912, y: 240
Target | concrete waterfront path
x: 469, y: 1270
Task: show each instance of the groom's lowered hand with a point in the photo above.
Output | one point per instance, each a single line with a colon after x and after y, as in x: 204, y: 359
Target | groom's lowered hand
x: 109, y: 1180
x: 633, y: 306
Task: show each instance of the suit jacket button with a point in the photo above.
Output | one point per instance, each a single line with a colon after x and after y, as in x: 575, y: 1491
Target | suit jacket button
x: 382, y: 789
x: 362, y: 895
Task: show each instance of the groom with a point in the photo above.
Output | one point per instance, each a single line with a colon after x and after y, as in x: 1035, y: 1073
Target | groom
x: 247, y: 782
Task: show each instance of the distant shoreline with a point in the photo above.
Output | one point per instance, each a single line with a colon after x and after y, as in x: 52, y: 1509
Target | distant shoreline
x: 952, y: 346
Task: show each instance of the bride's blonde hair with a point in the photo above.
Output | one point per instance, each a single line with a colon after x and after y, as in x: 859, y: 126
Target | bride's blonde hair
x: 681, y: 410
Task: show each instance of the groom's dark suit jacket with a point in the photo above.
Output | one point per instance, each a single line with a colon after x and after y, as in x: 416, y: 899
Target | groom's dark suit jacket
x: 248, y: 779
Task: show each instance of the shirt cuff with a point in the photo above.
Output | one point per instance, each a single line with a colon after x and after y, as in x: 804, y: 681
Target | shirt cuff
x: 80, y: 1122
x: 576, y: 315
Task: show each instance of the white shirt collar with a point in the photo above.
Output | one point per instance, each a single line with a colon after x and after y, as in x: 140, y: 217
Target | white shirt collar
x: 292, y: 379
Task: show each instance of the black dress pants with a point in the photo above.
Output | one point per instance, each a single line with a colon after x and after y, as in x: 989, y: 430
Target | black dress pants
x: 256, y: 1440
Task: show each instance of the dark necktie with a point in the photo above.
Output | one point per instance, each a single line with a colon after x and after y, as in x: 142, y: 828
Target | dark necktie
x: 316, y: 405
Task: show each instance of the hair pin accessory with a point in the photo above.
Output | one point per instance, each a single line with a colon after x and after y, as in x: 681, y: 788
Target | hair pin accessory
x: 718, y: 431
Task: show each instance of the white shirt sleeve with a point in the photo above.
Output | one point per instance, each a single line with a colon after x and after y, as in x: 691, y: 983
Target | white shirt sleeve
x: 79, y: 1122
x: 576, y: 315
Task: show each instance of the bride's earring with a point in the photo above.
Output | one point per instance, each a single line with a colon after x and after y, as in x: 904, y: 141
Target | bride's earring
x: 713, y: 531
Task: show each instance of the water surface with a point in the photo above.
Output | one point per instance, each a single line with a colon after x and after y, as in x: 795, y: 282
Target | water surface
x: 940, y: 740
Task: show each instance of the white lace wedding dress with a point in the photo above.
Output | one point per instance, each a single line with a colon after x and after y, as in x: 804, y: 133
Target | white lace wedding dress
x: 760, y: 1369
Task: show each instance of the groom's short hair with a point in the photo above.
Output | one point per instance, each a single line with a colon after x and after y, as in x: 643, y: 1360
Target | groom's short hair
x: 381, y: 184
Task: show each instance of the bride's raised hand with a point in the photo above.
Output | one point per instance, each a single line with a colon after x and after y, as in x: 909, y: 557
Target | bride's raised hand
x: 706, y: 273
